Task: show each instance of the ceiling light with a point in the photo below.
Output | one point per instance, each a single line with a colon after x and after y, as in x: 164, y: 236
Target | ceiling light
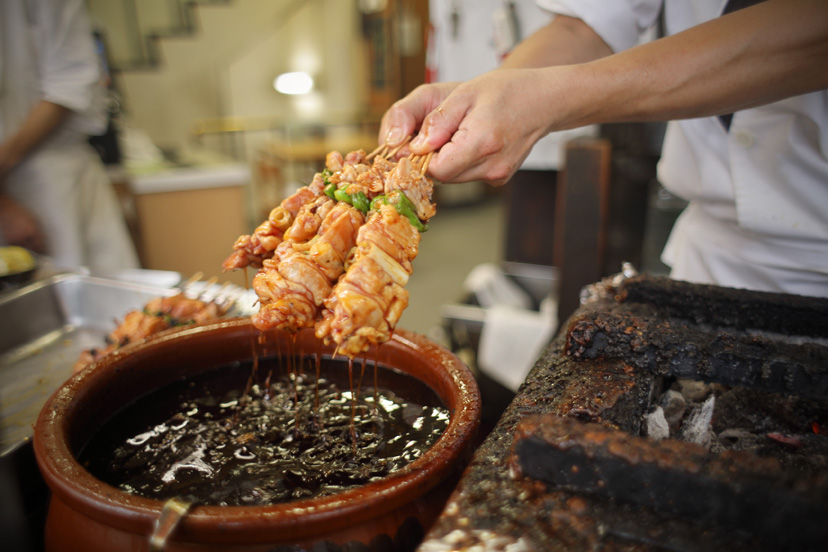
x: 296, y: 82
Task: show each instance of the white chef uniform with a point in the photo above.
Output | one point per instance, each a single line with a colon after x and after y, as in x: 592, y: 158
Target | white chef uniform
x: 47, y: 53
x: 758, y: 193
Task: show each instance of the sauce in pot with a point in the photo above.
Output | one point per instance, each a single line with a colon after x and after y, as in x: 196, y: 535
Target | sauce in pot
x: 292, y: 436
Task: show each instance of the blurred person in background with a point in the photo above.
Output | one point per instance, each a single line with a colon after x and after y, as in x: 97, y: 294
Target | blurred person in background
x: 744, y: 87
x: 55, y: 195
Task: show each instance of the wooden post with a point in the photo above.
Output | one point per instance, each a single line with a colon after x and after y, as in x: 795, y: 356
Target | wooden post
x: 582, y: 215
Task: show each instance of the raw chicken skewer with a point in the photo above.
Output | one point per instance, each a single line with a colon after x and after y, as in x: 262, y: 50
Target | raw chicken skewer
x: 293, y: 284
x: 367, y: 302
x: 253, y: 249
x: 159, y: 314
x: 329, y: 256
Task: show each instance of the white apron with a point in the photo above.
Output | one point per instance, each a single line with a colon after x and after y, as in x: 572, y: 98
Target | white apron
x: 76, y: 205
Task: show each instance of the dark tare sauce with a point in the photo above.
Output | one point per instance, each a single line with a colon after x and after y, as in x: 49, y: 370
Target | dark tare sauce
x: 202, y: 439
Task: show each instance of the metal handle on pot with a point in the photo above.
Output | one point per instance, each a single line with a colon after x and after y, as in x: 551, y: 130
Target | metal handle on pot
x: 172, y: 513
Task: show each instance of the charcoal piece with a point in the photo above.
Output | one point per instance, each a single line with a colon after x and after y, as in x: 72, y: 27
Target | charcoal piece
x: 733, y: 490
x: 673, y: 404
x: 739, y: 309
x: 668, y: 347
x: 697, y: 427
x: 657, y: 426
x: 609, y: 393
x: 694, y: 390
x: 766, y: 412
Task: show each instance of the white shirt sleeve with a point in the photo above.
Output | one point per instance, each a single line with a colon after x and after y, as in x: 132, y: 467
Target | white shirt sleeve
x: 68, y: 63
x: 620, y: 23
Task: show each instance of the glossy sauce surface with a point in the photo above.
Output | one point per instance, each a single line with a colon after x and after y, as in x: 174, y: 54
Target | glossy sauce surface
x: 204, y: 440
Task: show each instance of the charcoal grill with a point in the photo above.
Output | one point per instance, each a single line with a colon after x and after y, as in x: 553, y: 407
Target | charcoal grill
x: 570, y: 464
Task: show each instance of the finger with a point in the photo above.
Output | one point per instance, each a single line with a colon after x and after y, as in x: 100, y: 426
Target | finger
x: 465, y: 159
x: 397, y: 123
x: 453, y: 162
x: 439, y: 126
x: 406, y: 115
x: 479, y: 173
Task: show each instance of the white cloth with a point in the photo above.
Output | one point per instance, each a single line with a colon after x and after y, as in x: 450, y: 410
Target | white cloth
x: 758, y: 212
x: 470, y: 43
x: 511, y: 341
x: 47, y: 53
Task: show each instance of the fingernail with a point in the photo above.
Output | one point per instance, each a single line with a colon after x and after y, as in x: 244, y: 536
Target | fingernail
x: 393, y: 136
x: 418, y: 141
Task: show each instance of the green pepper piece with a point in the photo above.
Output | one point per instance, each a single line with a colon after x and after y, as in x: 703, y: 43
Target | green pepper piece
x: 360, y: 201
x: 342, y: 195
x: 403, y: 206
x: 330, y: 187
x: 407, y: 209
x: 377, y: 201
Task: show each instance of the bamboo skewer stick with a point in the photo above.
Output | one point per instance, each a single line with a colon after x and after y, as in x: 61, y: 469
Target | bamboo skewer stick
x: 192, y: 279
x: 204, y: 292
x: 424, y: 168
x: 379, y: 151
x: 384, y: 150
x: 225, y: 295
x: 398, y: 148
x: 421, y: 162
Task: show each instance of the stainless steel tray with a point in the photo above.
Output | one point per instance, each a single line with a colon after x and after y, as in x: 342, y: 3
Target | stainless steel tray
x: 43, y: 329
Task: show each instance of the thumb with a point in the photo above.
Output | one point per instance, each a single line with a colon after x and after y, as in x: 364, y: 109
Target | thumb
x: 397, y: 123
x: 439, y: 126
x: 406, y: 115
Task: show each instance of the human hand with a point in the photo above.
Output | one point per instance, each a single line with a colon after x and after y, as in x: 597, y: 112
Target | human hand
x: 483, y: 128
x: 19, y: 226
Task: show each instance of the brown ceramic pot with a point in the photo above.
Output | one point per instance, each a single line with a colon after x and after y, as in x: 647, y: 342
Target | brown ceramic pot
x: 87, y: 514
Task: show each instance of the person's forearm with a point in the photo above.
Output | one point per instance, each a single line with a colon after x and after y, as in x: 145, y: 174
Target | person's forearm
x: 41, y: 121
x: 752, y: 57
x: 484, y: 128
x: 564, y: 41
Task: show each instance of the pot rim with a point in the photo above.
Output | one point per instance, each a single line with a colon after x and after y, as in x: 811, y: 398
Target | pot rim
x: 133, y: 513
